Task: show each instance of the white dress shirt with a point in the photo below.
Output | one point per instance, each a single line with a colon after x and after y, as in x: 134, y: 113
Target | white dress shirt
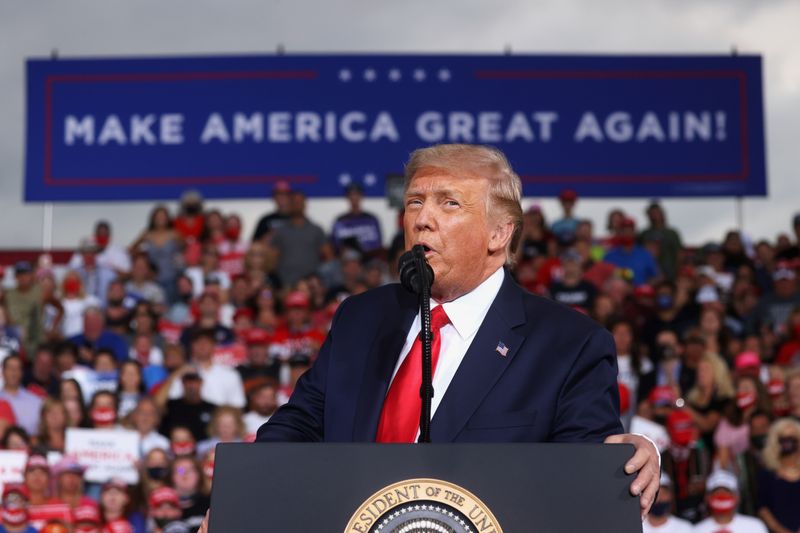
x: 466, y: 315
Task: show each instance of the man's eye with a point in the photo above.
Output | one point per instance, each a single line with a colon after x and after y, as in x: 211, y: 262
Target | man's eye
x: 452, y: 203
x: 413, y: 202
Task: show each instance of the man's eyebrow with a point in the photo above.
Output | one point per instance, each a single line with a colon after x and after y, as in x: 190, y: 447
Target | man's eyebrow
x: 439, y: 192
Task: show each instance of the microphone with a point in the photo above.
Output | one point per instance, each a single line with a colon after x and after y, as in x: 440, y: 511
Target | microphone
x: 412, y: 277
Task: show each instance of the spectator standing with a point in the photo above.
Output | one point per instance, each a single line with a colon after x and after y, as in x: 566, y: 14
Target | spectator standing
x: 722, y: 499
x: 568, y: 223
x: 165, y: 512
x: 357, y: 228
x: 24, y: 305
x: 190, y: 410
x: 186, y: 478
x: 298, y: 243
x: 571, y: 289
x: 263, y: 402
x: 259, y: 364
x: 145, y: 419
x: 163, y: 246
x: 686, y: 462
x: 109, y: 255
x: 95, y: 335
x: 69, y: 483
x: 670, y: 245
x: 751, y: 463
x: 50, y: 436
x: 40, y: 377
x: 732, y: 436
x: 114, y: 502
x: 773, y: 309
x: 95, y: 277
x: 141, y: 285
x: 269, y: 223
x: 226, y: 426
x: 779, y: 485
x: 221, y: 384
x: 74, y: 302
x: 631, y: 257
x: 231, y: 249
x: 26, y: 405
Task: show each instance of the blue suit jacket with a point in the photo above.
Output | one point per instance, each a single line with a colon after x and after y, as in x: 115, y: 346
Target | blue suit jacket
x: 557, y: 382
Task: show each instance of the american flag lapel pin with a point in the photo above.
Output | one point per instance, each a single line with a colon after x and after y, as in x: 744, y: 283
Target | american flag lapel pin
x: 502, y: 349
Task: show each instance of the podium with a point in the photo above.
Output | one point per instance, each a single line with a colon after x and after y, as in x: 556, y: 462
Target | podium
x: 443, y: 488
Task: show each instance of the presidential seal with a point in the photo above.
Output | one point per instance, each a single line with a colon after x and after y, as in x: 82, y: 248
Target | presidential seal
x: 423, y: 506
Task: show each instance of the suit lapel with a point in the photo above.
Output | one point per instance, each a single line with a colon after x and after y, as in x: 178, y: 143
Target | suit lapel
x: 381, y: 359
x: 483, y: 364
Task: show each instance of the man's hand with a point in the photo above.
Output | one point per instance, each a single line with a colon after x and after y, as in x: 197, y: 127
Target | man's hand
x: 645, y: 461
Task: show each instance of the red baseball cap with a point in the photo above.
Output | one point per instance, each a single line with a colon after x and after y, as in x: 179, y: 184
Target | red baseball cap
x: 680, y: 426
x: 628, y: 222
x: 568, y: 194
x: 297, y: 299
x: 256, y: 337
x: 86, y: 513
x: 644, y: 291
x: 747, y: 360
x: 662, y: 396
x: 37, y: 461
x: 163, y: 495
x: 16, y: 488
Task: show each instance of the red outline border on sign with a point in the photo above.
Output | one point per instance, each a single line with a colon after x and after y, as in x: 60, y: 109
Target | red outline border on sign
x: 739, y: 75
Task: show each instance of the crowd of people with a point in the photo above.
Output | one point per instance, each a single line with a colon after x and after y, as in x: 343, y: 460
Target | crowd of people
x: 195, y: 334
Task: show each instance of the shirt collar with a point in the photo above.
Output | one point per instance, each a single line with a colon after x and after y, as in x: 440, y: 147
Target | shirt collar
x: 467, y: 312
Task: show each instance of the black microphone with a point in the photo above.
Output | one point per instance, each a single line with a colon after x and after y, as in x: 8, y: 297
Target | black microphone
x: 411, y: 276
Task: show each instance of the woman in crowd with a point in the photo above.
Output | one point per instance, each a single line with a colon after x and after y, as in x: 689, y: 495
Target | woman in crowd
x: 52, y: 426
x: 187, y: 480
x: 635, y: 372
x: 732, y: 436
x: 71, y: 397
x: 779, y: 485
x: 15, y: 438
x: 164, y: 248
x: 182, y: 442
x: 115, y: 507
x: 155, y: 470
x: 226, y: 426
x: 130, y: 388
x: 707, y: 399
x: 103, y: 410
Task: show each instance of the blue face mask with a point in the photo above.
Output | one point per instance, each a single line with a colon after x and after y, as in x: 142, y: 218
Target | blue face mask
x: 660, y: 509
x: 664, y: 301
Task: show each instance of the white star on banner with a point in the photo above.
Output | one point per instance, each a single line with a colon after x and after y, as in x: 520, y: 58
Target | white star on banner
x: 395, y: 74
x: 370, y: 179
x: 369, y: 74
x: 345, y: 74
x: 419, y: 74
x: 444, y: 74
x: 344, y: 179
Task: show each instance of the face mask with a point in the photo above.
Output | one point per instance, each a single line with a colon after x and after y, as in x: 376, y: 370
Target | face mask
x: 103, y: 416
x: 660, y: 509
x: 788, y: 445
x: 15, y: 515
x: 186, y: 297
x: 162, y: 522
x: 722, y: 503
x: 86, y: 529
x: 115, y: 302
x: 102, y: 240
x: 72, y: 286
x: 745, y: 400
x: 233, y: 233
x: 183, y: 448
x: 664, y: 301
x: 758, y: 441
x: 157, y: 472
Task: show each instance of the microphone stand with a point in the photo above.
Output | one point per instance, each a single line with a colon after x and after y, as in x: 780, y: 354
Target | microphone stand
x: 426, y: 336
x: 416, y: 275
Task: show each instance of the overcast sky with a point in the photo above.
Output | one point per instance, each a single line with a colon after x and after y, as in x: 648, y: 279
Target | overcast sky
x: 112, y: 28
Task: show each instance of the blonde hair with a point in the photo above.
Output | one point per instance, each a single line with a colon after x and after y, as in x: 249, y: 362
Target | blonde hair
x: 221, y: 411
x: 723, y: 385
x: 772, y: 449
x: 505, y: 187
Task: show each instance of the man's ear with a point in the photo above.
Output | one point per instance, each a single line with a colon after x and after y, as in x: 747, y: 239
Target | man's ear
x: 500, y: 235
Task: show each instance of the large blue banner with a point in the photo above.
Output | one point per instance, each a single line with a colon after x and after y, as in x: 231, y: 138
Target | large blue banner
x: 135, y: 129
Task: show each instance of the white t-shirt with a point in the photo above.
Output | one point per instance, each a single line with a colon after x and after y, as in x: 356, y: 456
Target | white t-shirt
x: 672, y: 525
x: 253, y: 421
x: 222, y: 385
x: 739, y: 524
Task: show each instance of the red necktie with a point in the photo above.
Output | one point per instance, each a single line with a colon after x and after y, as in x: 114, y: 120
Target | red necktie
x: 402, y: 406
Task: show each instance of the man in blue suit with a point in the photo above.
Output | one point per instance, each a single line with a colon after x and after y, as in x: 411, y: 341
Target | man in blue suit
x: 512, y: 367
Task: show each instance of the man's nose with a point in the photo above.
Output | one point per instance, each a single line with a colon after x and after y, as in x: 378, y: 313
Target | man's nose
x: 425, y: 218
